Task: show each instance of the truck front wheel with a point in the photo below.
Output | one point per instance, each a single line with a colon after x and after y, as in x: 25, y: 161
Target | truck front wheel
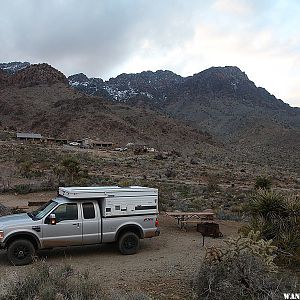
x: 20, y: 252
x: 129, y: 243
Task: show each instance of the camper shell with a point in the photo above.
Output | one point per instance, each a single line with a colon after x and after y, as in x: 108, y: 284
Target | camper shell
x: 117, y: 201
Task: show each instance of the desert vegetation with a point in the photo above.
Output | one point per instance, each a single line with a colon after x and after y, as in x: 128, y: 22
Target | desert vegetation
x: 277, y: 218
x: 45, y: 282
x: 243, y: 269
x: 257, y: 264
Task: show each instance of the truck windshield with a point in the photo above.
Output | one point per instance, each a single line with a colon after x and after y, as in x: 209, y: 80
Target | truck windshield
x: 43, y: 210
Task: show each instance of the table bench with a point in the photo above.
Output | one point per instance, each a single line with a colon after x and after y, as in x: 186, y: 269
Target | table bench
x: 184, y: 218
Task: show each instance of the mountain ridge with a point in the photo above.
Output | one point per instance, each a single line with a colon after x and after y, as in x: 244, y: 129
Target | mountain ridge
x: 219, y: 112
x: 220, y: 100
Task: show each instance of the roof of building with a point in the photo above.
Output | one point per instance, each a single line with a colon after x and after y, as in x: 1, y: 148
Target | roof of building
x: 101, y: 142
x: 29, y: 135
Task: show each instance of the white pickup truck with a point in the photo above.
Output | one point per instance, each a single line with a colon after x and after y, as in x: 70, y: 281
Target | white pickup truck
x: 83, y: 216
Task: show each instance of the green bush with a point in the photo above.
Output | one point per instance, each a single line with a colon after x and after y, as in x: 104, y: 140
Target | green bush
x: 22, y: 188
x: 69, y: 172
x: 262, y: 182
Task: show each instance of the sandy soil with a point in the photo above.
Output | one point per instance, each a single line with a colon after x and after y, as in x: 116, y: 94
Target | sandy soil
x: 163, y: 269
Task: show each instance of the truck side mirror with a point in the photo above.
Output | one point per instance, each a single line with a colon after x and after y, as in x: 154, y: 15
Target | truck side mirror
x: 52, y: 219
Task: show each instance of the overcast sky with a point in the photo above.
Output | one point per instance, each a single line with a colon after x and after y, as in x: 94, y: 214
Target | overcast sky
x: 105, y: 38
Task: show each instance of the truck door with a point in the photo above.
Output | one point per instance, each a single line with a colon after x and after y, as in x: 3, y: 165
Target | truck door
x: 68, y: 228
x: 91, y: 223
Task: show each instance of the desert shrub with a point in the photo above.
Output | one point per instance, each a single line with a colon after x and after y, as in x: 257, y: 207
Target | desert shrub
x: 229, y: 215
x: 124, y: 183
x: 277, y: 217
x: 212, y: 184
x: 44, y: 282
x: 262, y: 182
x: 22, y: 188
x: 26, y: 168
x: 245, y: 269
x: 170, y: 173
x: 69, y: 172
x: 198, y: 153
x: 71, y: 167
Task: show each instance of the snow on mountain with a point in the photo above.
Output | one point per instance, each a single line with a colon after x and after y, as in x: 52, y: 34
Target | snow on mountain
x: 13, y: 67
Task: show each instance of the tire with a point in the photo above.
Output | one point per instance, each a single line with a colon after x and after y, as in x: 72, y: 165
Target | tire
x: 20, y: 252
x: 129, y: 243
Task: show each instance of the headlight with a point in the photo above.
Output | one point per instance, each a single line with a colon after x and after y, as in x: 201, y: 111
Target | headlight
x: 1, y: 234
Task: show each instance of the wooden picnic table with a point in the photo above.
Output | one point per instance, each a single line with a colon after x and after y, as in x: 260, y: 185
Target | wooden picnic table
x: 191, y: 217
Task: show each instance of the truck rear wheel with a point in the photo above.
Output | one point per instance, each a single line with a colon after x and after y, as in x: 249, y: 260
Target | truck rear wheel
x: 20, y: 252
x: 129, y: 243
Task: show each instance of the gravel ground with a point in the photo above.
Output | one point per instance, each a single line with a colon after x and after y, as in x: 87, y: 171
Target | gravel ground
x: 163, y: 268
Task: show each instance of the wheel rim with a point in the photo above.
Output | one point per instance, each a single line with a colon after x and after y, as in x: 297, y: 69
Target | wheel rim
x: 130, y: 243
x: 21, y: 252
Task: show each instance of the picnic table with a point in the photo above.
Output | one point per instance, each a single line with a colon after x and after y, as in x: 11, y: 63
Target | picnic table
x: 184, y: 218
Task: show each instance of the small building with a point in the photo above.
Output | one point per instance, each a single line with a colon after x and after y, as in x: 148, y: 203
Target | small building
x: 90, y: 143
x: 101, y: 144
x: 23, y: 136
x: 50, y: 140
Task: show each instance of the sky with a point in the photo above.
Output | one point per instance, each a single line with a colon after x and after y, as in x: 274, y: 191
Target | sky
x: 104, y: 38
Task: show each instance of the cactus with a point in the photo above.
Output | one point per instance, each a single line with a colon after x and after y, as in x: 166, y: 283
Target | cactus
x: 251, y: 244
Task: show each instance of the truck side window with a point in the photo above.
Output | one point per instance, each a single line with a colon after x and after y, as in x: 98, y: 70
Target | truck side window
x: 88, y: 210
x: 67, y: 211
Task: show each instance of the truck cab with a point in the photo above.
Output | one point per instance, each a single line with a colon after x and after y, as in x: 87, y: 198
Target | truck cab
x: 83, y: 216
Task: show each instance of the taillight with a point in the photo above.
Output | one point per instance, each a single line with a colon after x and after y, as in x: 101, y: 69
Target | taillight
x: 156, y: 223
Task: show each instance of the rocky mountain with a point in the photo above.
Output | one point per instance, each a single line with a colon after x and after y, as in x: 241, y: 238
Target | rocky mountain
x: 89, y: 86
x: 161, y: 108
x: 13, y: 67
x: 39, y: 99
x: 221, y: 100
x: 150, y: 88
x: 227, y: 104
x: 30, y: 75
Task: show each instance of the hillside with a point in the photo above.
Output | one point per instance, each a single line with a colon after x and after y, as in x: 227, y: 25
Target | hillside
x: 219, y: 106
x: 38, y: 98
x: 252, y: 124
x: 221, y: 100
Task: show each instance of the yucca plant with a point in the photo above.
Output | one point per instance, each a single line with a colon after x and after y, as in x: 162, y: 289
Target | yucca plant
x: 277, y: 218
x: 266, y: 204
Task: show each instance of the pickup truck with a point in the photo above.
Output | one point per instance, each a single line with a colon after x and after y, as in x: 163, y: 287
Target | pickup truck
x: 82, y: 216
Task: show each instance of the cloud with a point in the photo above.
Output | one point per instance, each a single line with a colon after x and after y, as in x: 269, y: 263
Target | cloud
x: 239, y: 7
x: 109, y: 37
